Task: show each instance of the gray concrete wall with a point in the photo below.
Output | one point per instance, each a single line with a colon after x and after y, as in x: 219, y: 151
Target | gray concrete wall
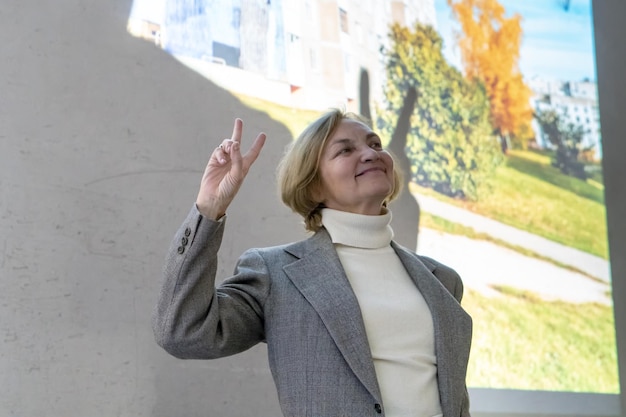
x: 102, y: 142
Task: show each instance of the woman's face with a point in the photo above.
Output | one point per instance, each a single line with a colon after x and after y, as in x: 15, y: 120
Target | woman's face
x: 356, y: 173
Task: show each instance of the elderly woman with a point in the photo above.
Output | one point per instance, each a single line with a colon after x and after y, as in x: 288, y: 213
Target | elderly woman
x: 355, y: 324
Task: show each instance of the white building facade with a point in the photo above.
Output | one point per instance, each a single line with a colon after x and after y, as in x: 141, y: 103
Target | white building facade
x: 308, y: 54
x: 575, y: 102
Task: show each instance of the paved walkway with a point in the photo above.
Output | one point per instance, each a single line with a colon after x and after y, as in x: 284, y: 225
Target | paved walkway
x: 484, y: 266
x: 583, y: 261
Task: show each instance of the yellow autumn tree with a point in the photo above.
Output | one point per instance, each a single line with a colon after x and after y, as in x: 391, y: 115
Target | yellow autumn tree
x: 490, y: 50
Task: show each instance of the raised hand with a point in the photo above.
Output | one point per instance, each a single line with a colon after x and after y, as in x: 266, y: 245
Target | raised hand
x: 225, y: 173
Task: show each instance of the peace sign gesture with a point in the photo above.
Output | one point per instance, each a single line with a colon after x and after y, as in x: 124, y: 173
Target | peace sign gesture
x: 225, y: 173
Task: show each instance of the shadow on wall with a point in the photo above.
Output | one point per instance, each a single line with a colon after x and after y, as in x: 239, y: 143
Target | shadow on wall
x: 405, y: 209
x: 240, y: 385
x: 103, y: 148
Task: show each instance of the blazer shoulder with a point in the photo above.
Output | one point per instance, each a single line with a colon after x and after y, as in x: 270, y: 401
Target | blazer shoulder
x: 446, y: 275
x: 434, y: 265
x: 302, y: 247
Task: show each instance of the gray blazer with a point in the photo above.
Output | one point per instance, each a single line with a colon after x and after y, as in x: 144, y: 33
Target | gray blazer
x: 297, y: 299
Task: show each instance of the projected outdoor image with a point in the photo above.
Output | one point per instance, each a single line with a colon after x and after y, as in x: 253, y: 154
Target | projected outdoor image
x: 502, y: 152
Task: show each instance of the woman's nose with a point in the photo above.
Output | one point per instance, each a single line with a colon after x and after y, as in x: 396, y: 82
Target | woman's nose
x: 369, y: 154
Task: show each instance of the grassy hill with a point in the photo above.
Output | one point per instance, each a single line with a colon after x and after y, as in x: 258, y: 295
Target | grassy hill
x: 529, y: 194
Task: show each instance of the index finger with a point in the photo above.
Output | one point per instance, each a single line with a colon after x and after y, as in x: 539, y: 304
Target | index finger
x: 237, y: 129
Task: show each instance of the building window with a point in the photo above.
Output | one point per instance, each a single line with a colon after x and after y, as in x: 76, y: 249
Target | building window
x: 236, y: 20
x: 359, y: 32
x: 343, y: 20
x: 313, y: 59
x: 198, y: 7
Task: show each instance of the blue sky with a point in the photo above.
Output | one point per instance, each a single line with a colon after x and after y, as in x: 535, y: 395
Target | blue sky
x: 557, y: 43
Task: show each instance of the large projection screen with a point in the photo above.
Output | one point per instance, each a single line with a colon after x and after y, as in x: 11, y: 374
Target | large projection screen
x: 513, y: 370
x: 545, y: 294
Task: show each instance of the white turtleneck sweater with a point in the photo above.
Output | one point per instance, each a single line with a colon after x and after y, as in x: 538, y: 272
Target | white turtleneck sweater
x: 397, y: 319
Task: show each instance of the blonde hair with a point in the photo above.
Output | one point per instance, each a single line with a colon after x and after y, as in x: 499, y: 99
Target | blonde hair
x: 298, y: 171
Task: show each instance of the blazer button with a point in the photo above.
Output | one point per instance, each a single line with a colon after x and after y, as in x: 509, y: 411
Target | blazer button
x: 187, y: 232
x: 181, y: 249
x: 184, y: 241
x: 378, y: 408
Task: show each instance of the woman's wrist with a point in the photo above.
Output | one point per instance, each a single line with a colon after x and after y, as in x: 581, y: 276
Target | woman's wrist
x: 210, y: 212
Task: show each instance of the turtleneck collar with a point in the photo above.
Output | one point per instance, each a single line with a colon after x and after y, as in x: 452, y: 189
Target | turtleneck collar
x: 358, y: 230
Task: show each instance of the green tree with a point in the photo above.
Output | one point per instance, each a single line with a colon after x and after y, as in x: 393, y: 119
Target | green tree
x: 567, y: 138
x: 450, y: 142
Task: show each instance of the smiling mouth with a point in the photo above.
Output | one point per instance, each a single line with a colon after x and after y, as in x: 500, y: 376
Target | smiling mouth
x: 371, y: 170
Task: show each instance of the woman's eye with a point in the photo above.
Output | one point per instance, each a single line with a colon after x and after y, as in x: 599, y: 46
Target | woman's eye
x: 377, y: 145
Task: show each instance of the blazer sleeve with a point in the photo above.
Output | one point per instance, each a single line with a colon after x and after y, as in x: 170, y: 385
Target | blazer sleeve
x: 194, y: 320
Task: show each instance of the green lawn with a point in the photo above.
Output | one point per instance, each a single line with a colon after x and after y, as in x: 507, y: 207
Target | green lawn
x: 531, y: 195
x: 523, y: 342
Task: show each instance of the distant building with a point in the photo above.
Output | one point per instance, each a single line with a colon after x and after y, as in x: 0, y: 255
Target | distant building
x: 334, y: 47
x: 576, y: 102
x: 308, y: 54
x: 145, y: 29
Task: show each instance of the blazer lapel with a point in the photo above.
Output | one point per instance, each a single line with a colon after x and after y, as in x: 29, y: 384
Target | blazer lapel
x: 318, y: 275
x: 452, y: 343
